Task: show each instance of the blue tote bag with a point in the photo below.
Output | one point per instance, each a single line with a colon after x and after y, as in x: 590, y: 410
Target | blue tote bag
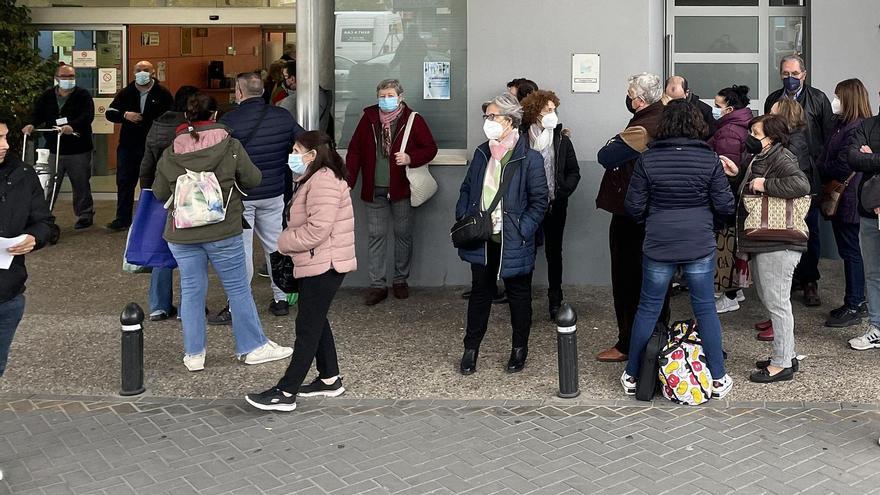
x: 146, y: 246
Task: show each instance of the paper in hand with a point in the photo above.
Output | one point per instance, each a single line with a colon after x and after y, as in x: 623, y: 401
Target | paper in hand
x: 6, y: 243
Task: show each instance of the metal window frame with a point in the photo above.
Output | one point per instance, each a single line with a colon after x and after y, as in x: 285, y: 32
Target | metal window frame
x: 94, y: 27
x: 762, y: 58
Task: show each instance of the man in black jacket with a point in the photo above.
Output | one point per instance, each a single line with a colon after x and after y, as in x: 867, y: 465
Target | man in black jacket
x: 135, y: 107
x: 23, y: 212
x: 817, y: 110
x: 677, y: 89
x: 71, y: 109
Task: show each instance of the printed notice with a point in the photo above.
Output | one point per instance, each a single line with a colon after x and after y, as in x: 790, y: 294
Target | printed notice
x: 101, y: 125
x: 85, y: 59
x: 585, y: 73
x: 437, y: 82
x: 107, y: 81
x: 63, y: 38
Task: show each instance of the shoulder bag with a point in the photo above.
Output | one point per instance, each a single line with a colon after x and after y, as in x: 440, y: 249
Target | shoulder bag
x: 831, y: 194
x: 422, y: 185
x: 473, y: 230
x: 774, y: 219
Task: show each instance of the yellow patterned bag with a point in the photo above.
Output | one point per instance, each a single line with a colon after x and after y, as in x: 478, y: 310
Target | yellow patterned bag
x: 776, y: 219
x: 684, y: 372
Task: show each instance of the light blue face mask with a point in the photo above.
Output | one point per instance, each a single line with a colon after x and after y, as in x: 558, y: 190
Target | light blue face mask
x: 296, y: 163
x: 142, y: 78
x: 716, y: 112
x: 389, y: 104
x: 66, y: 84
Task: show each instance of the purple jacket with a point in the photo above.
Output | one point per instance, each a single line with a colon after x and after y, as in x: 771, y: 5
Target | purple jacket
x: 731, y: 133
x: 834, y: 164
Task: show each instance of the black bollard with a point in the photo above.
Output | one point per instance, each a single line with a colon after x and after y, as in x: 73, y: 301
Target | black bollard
x: 566, y: 343
x: 132, y: 320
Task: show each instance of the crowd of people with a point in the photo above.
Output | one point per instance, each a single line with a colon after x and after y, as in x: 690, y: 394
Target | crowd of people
x: 676, y: 181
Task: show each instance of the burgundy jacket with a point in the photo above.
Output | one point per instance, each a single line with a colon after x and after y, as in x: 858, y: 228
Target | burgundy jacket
x: 731, y: 133
x: 361, y: 156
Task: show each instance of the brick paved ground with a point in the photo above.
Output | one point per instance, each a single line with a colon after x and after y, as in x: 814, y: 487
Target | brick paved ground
x: 362, y: 446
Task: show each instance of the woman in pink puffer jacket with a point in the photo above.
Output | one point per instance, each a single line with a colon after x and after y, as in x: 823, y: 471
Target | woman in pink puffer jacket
x: 320, y: 239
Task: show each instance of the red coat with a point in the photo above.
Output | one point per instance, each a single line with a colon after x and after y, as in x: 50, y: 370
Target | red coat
x: 361, y: 155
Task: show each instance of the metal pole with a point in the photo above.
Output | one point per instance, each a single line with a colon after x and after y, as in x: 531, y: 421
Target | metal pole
x: 566, y: 344
x: 307, y: 61
x: 132, y: 319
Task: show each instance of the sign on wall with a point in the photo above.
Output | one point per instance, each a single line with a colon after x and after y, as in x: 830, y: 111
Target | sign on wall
x: 85, y: 59
x: 107, y: 81
x: 101, y: 125
x: 436, y: 81
x: 585, y: 73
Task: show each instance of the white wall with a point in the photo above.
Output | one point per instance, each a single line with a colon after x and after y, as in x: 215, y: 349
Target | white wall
x: 845, y: 43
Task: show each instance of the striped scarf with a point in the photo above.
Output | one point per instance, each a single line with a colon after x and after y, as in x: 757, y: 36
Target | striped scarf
x: 387, y: 119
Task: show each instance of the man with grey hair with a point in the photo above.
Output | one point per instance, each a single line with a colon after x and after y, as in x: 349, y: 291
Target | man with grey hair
x: 819, y: 116
x: 626, y: 236
x: 267, y: 134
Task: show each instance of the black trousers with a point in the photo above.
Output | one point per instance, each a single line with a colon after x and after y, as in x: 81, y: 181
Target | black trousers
x: 77, y: 168
x: 314, y: 338
x: 626, y: 238
x: 128, y: 168
x: 519, y: 296
x: 807, y: 270
x: 554, y: 225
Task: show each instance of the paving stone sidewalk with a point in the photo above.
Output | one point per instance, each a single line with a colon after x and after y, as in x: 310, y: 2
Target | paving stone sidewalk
x: 80, y: 445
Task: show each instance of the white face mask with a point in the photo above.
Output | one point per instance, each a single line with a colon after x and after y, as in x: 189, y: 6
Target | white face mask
x: 835, y: 106
x: 493, y: 130
x: 550, y: 120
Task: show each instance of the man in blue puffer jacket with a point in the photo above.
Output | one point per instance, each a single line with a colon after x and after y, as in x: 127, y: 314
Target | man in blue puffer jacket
x: 267, y: 133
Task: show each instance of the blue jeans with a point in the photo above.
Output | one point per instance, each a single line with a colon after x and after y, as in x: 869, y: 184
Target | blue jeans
x: 227, y: 258
x: 656, y: 276
x: 11, y: 312
x: 847, y: 237
x: 869, y: 239
x: 162, y: 289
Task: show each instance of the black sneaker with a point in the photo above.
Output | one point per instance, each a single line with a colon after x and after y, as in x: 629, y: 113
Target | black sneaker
x: 83, y: 223
x: 118, y: 225
x: 272, y: 400
x: 224, y: 317
x: 843, y: 316
x: 279, y: 308
x: 863, y: 309
x: 320, y: 389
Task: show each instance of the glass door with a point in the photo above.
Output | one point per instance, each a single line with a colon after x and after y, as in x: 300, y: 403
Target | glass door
x: 98, y: 54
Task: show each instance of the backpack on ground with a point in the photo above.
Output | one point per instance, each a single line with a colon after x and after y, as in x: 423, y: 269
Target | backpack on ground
x: 684, y: 374
x: 648, y: 379
x: 198, y: 200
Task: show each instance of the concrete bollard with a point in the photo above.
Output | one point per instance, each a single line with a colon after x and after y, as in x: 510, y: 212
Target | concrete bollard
x: 132, y: 319
x: 566, y: 343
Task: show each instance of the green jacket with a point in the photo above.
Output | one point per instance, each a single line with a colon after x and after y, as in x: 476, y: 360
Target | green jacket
x: 215, y: 151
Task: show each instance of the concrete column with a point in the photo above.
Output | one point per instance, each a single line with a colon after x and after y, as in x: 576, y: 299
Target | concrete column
x: 315, y: 27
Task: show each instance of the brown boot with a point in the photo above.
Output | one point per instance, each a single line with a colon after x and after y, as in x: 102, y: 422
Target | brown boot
x: 811, y: 294
x: 375, y: 295
x: 611, y: 355
x: 400, y: 290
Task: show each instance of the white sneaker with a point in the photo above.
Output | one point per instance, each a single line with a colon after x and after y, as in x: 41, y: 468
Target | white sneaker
x: 270, y: 351
x: 722, y: 387
x: 628, y: 383
x: 725, y: 305
x: 871, y: 340
x: 195, y: 362
x: 740, y: 297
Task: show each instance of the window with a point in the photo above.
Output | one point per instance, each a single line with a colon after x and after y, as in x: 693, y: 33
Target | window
x: 407, y: 40
x: 718, y: 43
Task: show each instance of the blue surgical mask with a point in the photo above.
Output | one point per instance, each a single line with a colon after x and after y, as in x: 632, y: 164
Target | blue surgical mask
x: 296, y: 163
x: 716, y: 112
x: 66, y: 84
x: 792, y: 84
x: 389, y: 104
x: 142, y: 78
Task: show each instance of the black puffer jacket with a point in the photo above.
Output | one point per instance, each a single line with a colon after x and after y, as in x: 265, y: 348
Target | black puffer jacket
x: 568, y: 173
x: 161, y: 136
x: 867, y: 134
x: 677, y: 189
x: 817, y: 110
x: 23, y: 210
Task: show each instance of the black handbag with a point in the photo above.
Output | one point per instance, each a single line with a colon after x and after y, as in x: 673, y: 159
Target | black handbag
x: 648, y: 380
x: 282, y: 273
x: 473, y: 230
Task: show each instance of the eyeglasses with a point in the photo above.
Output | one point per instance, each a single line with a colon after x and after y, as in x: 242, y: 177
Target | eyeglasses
x: 792, y: 74
x: 491, y: 116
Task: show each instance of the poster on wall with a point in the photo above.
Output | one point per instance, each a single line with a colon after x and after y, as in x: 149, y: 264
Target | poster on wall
x: 108, y: 54
x: 101, y: 125
x: 107, y: 81
x: 63, y: 38
x: 85, y: 59
x: 150, y: 38
x: 585, y: 73
x: 436, y: 81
